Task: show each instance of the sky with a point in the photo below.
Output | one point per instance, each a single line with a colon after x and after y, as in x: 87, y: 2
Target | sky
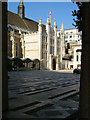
x: 60, y: 11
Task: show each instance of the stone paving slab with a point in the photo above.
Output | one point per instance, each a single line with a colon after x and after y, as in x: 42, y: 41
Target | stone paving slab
x: 40, y: 96
x: 36, y: 94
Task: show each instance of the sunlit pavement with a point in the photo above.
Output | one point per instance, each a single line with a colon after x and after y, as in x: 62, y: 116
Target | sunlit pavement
x: 43, y: 94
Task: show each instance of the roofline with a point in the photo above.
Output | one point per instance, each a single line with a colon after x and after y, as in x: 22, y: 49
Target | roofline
x: 70, y: 29
x: 25, y: 18
x: 12, y: 12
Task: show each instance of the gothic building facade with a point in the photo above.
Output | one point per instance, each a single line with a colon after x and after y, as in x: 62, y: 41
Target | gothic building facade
x: 30, y: 39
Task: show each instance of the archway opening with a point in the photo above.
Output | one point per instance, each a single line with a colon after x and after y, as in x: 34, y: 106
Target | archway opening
x: 54, y: 64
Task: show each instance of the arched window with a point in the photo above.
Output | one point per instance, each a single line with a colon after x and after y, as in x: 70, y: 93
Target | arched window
x: 77, y: 57
x: 10, y: 48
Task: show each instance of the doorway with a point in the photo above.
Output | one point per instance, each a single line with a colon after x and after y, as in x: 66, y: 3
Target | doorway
x: 54, y: 64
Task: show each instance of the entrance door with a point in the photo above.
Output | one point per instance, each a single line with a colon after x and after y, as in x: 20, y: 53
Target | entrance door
x: 71, y: 66
x: 54, y: 64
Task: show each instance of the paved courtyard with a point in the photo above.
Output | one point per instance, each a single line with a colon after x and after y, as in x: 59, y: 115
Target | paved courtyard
x: 43, y: 94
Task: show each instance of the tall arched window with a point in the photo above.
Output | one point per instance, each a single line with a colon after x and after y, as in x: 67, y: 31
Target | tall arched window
x: 77, y: 57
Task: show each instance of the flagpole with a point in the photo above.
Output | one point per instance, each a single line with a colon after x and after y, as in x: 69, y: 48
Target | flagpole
x: 50, y: 14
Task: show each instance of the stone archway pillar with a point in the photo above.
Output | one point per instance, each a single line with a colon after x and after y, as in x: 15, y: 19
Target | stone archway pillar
x: 12, y: 38
x: 50, y: 62
x: 84, y: 106
x: 57, y: 63
x: 23, y: 46
x: 3, y: 60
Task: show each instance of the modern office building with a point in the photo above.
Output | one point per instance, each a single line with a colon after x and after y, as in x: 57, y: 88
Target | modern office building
x: 72, y: 35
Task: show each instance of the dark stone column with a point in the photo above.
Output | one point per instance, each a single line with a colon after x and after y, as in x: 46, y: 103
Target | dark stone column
x: 0, y: 60
x: 4, y: 59
x: 84, y: 110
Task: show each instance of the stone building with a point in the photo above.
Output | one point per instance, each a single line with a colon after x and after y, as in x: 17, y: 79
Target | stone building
x: 30, y: 39
x: 45, y: 45
x: 72, y: 48
x: 74, y: 55
x: 76, y: 60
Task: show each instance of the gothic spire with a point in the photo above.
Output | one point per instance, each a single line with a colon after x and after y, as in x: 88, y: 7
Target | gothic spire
x: 21, y: 2
x: 21, y: 9
x: 62, y: 27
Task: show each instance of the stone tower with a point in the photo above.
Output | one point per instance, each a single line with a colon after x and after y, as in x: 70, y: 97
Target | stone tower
x: 63, y: 40
x: 40, y: 38
x: 55, y: 34
x: 21, y: 9
x: 48, y: 26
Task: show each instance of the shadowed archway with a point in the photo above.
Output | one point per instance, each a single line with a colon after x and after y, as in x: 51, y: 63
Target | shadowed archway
x: 54, y: 64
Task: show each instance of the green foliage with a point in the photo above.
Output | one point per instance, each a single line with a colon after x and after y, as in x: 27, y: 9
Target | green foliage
x: 78, y: 15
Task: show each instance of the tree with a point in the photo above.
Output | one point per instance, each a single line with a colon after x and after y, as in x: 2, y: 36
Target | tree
x: 78, y: 15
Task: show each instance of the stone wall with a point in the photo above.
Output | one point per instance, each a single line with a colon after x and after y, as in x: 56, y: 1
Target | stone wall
x: 32, y: 46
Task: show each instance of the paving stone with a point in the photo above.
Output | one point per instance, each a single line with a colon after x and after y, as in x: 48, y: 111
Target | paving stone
x: 26, y: 87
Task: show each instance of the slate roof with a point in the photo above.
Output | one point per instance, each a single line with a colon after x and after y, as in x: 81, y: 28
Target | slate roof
x: 30, y: 24
x: 15, y: 19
